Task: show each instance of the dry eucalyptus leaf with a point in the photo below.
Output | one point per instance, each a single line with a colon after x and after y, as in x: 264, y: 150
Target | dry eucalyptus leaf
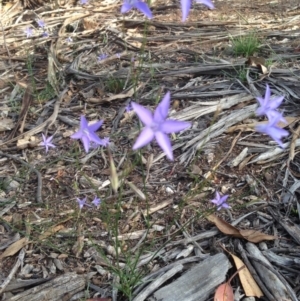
x: 250, y: 287
x: 51, y: 231
x: 224, y: 293
x: 250, y: 235
x: 256, y: 236
x: 223, y: 226
x: 121, y: 95
x: 14, y: 248
x: 258, y: 62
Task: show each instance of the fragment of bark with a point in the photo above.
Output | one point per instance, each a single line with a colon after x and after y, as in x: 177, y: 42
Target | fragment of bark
x: 272, y: 282
x: 158, y: 282
x: 58, y: 289
x: 188, y: 240
x: 164, y: 269
x: 197, y: 283
x: 215, y: 130
x: 287, y: 224
x: 250, y: 267
x: 280, y: 277
x: 19, y: 284
x: 280, y: 260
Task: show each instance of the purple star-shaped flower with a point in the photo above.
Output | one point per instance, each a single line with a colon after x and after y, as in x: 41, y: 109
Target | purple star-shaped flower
x: 128, y: 107
x: 47, y: 142
x: 69, y: 39
x: 220, y: 202
x: 96, y: 201
x: 271, y: 129
x: 81, y: 203
x: 268, y: 106
x: 41, y: 23
x: 156, y: 126
x: 45, y: 34
x: 102, y: 57
x: 29, y: 32
x: 87, y: 133
x: 186, y: 6
x: 83, y: 2
x: 139, y: 5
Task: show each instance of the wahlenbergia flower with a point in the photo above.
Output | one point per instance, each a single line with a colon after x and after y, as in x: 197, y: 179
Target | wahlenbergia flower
x: 29, y: 32
x: 138, y: 4
x: 220, y: 202
x: 274, y: 131
x: 41, y: 23
x: 186, y: 6
x: 156, y: 126
x: 128, y: 107
x: 87, y: 133
x: 47, y: 142
x: 81, y: 203
x: 268, y: 106
x: 102, y: 57
x: 96, y: 201
x: 45, y: 34
x: 82, y: 2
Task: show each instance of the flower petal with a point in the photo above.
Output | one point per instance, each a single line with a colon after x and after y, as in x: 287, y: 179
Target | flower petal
x: 77, y: 135
x: 274, y: 117
x: 144, y: 8
x: 268, y: 93
x: 185, y: 8
x: 275, y: 102
x: 126, y: 7
x: 51, y: 145
x: 145, y: 137
x: 94, y: 138
x: 225, y: 205
x: 144, y: 114
x: 162, y: 110
x: 86, y: 143
x: 223, y: 199
x: 95, y: 126
x: 83, y: 122
x: 208, y: 3
x: 165, y: 143
x: 174, y: 126
x: 274, y: 132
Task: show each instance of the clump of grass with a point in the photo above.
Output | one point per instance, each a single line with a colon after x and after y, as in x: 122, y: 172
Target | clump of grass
x: 242, y: 74
x: 245, y: 45
x: 239, y: 73
x: 46, y: 93
x: 114, y: 85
